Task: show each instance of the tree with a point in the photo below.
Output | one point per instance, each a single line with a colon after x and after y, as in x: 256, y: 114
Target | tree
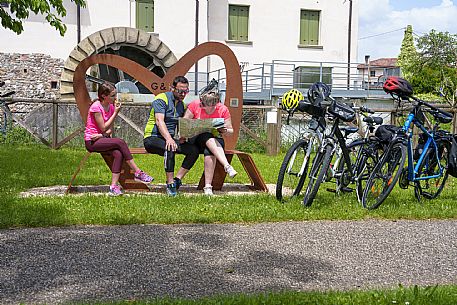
x: 408, y: 53
x: 435, y: 69
x: 16, y: 11
x: 438, y: 58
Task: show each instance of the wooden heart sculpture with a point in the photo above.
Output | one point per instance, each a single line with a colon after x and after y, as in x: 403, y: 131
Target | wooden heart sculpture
x: 158, y: 85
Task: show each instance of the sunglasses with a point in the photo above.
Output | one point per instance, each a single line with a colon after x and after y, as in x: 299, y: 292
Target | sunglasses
x: 112, y: 96
x: 203, y: 105
x: 181, y: 91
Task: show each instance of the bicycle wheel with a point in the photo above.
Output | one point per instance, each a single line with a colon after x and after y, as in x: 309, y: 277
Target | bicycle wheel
x: 293, y: 171
x: 344, y: 176
x: 384, y: 176
x: 365, y: 165
x: 432, y: 188
x: 317, y: 173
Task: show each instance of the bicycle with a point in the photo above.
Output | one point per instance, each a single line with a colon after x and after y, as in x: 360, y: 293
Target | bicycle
x: 334, y: 142
x: 6, y: 117
x: 364, y: 152
x: 353, y: 161
x: 430, y: 163
x: 294, y: 168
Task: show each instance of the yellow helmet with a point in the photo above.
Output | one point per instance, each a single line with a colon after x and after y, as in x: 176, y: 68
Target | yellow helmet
x: 290, y: 99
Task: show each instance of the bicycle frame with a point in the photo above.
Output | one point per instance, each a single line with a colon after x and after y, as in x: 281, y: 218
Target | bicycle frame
x: 315, y: 134
x: 412, y: 168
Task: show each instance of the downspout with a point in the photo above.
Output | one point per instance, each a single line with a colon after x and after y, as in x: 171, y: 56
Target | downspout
x: 196, y: 44
x: 208, y: 60
x: 78, y: 22
x: 349, y: 44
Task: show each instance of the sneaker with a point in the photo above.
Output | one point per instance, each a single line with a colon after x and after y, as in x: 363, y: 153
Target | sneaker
x: 230, y: 171
x: 143, y: 177
x: 208, y: 190
x: 171, y: 189
x: 115, y: 190
x: 178, y: 183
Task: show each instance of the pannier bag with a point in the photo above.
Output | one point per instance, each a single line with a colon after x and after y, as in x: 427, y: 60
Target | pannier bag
x: 342, y: 111
x: 452, y: 158
x: 385, y: 133
x: 420, y: 145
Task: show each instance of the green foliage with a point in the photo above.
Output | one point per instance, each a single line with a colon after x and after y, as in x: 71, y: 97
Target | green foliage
x: 19, y: 11
x: 408, y: 53
x: 17, y: 135
x: 434, y: 69
x: 250, y: 145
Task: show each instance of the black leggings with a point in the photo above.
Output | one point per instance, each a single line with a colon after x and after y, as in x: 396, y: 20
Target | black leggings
x: 156, y: 145
x: 201, y: 140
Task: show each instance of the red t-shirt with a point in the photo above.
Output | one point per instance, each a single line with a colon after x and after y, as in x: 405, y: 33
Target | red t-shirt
x: 221, y: 111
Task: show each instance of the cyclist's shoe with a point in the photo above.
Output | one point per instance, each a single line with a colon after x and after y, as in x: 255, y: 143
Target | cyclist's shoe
x: 230, y: 171
x: 178, y: 183
x: 208, y: 190
x: 115, y: 190
x: 143, y: 177
x: 171, y: 189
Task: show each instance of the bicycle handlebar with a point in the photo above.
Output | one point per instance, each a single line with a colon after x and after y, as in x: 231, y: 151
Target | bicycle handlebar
x: 432, y: 107
x: 7, y: 94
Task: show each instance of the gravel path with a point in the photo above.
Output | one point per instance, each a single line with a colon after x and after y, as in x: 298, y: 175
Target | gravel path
x: 54, y: 265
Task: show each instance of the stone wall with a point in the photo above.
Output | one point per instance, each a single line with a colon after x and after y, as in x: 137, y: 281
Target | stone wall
x: 31, y: 75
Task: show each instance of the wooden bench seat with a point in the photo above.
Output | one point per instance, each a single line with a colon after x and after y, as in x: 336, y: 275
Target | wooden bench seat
x: 128, y: 183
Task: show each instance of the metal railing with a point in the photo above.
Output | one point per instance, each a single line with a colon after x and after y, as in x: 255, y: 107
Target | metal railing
x: 271, y: 79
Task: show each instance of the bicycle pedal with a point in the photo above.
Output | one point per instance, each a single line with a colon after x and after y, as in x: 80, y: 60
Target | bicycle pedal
x: 331, y: 190
x: 347, y: 189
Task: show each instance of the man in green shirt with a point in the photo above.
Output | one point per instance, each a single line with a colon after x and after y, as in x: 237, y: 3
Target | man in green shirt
x: 160, y: 131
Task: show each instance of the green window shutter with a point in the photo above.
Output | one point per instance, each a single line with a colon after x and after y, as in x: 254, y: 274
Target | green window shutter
x: 309, y: 27
x: 238, y: 22
x: 233, y: 23
x: 145, y: 15
x: 243, y: 20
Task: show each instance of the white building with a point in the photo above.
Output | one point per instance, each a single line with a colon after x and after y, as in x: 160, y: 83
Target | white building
x: 258, y: 31
x: 265, y: 30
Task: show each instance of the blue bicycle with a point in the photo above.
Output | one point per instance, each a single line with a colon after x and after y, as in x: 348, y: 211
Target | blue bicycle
x: 427, y: 163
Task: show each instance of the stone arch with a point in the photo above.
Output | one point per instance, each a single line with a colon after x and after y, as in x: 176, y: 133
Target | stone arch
x: 114, y: 38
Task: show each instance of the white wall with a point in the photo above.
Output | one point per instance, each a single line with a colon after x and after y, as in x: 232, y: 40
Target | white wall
x: 40, y: 37
x: 273, y: 28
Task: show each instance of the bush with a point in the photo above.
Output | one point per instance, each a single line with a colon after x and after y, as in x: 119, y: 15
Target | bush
x: 17, y: 135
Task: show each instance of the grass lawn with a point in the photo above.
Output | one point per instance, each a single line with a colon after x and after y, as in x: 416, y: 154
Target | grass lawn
x: 444, y: 295
x: 28, y: 166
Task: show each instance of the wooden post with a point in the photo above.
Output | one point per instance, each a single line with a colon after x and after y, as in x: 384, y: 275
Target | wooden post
x: 272, y: 132
x: 55, y: 121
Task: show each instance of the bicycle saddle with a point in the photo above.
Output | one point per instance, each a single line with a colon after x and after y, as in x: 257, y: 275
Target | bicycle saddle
x: 348, y: 130
x: 373, y: 120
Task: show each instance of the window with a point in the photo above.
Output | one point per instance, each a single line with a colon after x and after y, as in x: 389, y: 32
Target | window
x: 306, y: 76
x: 54, y: 84
x: 372, y: 73
x: 238, y: 22
x: 145, y: 15
x: 309, y: 27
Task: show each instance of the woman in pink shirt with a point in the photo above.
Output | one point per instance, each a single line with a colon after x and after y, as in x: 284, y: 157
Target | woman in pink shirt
x: 97, y: 136
x: 212, y: 147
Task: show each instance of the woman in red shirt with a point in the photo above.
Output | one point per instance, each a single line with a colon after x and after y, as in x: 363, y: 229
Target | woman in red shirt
x: 211, y: 145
